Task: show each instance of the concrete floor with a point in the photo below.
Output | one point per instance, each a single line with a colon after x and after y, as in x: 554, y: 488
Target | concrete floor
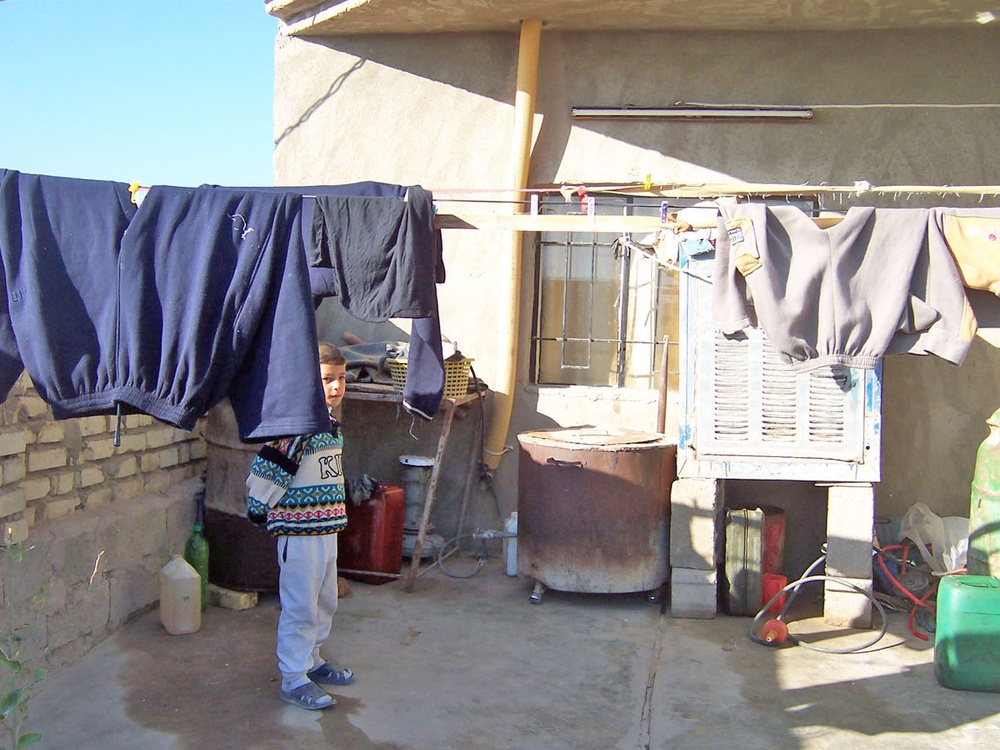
x: 472, y: 664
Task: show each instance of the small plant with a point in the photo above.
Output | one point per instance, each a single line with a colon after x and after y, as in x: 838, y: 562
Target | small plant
x: 19, y: 681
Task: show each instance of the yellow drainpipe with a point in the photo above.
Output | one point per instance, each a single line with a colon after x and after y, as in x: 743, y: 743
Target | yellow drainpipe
x: 524, y: 113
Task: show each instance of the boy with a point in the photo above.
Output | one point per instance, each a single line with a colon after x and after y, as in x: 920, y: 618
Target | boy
x: 296, y: 489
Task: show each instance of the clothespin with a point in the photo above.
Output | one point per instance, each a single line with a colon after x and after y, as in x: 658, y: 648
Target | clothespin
x: 591, y: 207
x: 664, y: 208
x: 648, y: 184
x: 581, y: 193
x: 138, y: 192
x: 534, y: 204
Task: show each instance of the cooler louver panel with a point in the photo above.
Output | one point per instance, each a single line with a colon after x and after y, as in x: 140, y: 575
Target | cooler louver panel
x: 778, y: 403
x: 732, y: 397
x: 750, y: 403
x: 827, y: 416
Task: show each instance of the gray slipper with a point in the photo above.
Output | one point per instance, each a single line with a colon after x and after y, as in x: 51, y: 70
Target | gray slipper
x: 327, y: 674
x: 309, y: 696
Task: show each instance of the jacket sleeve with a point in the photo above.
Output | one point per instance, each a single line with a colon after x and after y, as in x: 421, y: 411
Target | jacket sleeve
x: 271, y: 472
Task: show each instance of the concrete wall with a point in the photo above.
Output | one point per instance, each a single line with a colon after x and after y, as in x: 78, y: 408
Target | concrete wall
x: 94, y: 522
x: 438, y: 110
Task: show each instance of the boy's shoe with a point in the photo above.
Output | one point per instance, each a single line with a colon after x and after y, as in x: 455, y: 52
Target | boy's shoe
x: 309, y: 696
x: 326, y: 674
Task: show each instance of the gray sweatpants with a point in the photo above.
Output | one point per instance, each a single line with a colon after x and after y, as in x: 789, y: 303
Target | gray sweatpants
x: 307, y: 588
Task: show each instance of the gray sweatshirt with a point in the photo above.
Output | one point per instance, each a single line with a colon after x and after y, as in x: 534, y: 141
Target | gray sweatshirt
x: 848, y: 294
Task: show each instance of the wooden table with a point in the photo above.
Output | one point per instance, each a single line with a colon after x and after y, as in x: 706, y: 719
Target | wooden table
x: 388, y: 394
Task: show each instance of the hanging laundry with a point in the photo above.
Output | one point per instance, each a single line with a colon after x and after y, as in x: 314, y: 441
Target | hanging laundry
x: 164, y: 310
x: 381, y: 257
x: 59, y: 243
x: 846, y: 294
x: 973, y: 237
x: 375, y: 247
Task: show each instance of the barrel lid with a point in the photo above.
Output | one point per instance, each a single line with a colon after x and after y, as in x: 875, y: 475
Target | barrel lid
x: 416, y: 460
x: 592, y: 436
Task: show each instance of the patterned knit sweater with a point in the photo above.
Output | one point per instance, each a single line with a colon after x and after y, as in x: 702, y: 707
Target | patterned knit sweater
x: 296, y: 485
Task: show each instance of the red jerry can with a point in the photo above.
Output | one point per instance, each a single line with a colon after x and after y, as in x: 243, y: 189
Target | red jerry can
x: 372, y: 543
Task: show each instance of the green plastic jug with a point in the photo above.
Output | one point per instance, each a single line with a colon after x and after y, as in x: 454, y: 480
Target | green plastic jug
x: 984, y: 517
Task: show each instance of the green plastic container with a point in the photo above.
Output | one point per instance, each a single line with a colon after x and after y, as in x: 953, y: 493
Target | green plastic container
x: 967, y: 633
x: 984, y: 521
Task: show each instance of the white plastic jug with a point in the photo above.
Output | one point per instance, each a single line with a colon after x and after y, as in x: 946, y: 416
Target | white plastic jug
x: 180, y: 597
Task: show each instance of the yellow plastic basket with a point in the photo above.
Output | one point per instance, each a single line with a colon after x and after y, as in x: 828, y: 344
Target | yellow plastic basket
x: 456, y: 375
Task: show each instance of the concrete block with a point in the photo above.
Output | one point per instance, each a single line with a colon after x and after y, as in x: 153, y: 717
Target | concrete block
x: 694, y: 538
x: 36, y: 487
x: 14, y: 441
x: 693, y: 594
x: 126, y: 465
x: 12, y: 500
x: 695, y: 510
x: 158, y: 480
x: 696, y: 492
x: 132, y: 441
x: 169, y: 457
x: 850, y: 529
x: 51, y: 457
x: 92, y: 425
x: 32, y: 406
x: 98, y: 449
x: 63, y: 481
x: 150, y: 462
x: 159, y: 437
x: 98, y: 498
x: 846, y: 607
x: 51, y: 432
x: 90, y: 475
x: 13, y: 469
x: 229, y: 599
x: 130, y: 487
x: 52, y: 508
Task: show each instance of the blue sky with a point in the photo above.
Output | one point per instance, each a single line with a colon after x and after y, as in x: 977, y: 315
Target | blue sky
x: 170, y: 92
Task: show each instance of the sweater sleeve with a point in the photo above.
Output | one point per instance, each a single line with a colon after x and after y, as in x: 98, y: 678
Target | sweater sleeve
x: 271, y: 472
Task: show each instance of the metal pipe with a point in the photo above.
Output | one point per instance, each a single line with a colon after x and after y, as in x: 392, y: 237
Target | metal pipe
x: 524, y: 113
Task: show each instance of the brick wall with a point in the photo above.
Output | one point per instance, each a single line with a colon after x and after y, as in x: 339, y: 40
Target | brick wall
x: 95, y: 521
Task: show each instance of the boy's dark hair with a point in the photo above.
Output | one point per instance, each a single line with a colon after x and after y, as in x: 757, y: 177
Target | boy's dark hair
x: 330, y: 355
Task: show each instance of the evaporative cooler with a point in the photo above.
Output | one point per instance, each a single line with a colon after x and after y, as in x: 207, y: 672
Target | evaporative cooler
x: 745, y: 414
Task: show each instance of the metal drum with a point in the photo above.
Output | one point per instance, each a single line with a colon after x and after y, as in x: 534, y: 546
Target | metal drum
x: 594, y: 509
x: 242, y: 556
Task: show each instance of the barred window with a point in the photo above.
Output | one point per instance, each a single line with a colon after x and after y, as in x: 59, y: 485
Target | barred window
x: 604, y: 309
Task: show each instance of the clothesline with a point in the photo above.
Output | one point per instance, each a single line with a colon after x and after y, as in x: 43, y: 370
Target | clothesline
x: 719, y: 189
x: 525, y: 217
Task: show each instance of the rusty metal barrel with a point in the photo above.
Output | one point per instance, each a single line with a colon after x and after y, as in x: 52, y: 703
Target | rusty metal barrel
x: 242, y: 556
x: 594, y: 508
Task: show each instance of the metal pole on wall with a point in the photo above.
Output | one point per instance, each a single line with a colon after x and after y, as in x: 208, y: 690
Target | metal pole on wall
x: 524, y: 113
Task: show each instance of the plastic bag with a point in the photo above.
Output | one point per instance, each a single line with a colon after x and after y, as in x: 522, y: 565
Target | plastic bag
x: 947, y: 538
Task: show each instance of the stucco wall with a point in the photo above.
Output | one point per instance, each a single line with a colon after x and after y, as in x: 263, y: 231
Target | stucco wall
x: 438, y: 110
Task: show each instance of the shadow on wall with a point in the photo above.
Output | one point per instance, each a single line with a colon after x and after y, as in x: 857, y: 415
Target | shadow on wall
x: 933, y: 421
x: 838, y: 146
